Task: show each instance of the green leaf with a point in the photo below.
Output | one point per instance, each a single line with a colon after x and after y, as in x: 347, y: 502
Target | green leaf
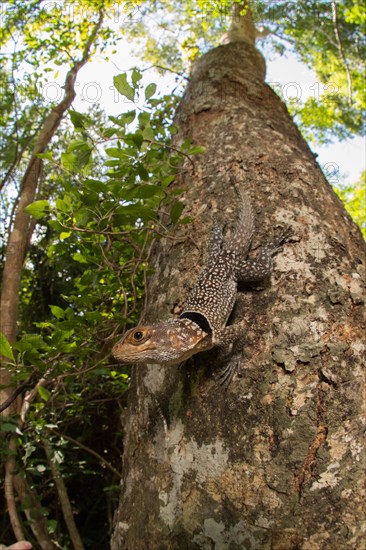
x: 65, y: 235
x: 57, y: 312
x: 167, y: 180
x: 107, y: 133
x: 47, y: 156
x: 150, y: 90
x: 52, y: 525
x: 100, y: 371
x: 142, y: 172
x: 130, y: 213
x: 95, y: 185
x: 123, y: 87
x: 68, y: 161
x: 116, y: 120
x: 8, y: 427
x: 29, y: 450
x: 128, y: 117
x: 138, y: 138
x: 70, y: 313
x: 82, y: 216
x: 147, y: 191
x: 5, y: 348
x: 37, y: 209
x: 148, y: 133
x: 124, y: 119
x: 55, y: 224
x: 117, y: 153
x: 78, y: 144
x: 353, y: 197
x: 58, y: 457
x: 78, y: 257
x: 63, y: 205
x: 77, y: 156
x: 196, y: 150
x: 136, y: 77
x: 44, y: 393
x: 29, y: 342
x: 185, y: 220
x: 78, y: 119
x: 176, y: 211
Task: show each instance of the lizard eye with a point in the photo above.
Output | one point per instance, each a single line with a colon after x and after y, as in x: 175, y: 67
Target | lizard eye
x: 138, y: 335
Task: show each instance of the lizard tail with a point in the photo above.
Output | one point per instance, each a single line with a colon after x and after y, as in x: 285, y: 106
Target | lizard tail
x: 242, y: 237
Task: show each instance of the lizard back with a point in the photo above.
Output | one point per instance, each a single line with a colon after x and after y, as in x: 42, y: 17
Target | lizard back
x: 212, y: 298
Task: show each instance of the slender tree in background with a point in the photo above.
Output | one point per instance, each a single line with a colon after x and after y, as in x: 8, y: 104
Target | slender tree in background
x: 25, y: 152
x: 19, y: 238
x: 276, y: 461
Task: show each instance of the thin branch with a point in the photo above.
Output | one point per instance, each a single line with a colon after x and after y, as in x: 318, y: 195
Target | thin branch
x: 15, y: 103
x: 98, y: 232
x: 31, y: 505
x: 63, y: 497
x: 90, y: 451
x: 20, y: 389
x: 34, y: 513
x: 13, y: 479
x: 18, y: 157
x: 146, y: 295
x: 10, y: 468
x: 32, y: 394
x: 172, y: 148
x: 341, y: 51
x: 83, y: 371
x: 163, y: 68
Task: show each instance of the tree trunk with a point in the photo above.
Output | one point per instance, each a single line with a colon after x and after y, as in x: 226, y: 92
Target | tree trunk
x: 275, y: 461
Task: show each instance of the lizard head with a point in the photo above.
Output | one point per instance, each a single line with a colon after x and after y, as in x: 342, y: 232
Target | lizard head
x: 164, y: 343
x: 136, y: 346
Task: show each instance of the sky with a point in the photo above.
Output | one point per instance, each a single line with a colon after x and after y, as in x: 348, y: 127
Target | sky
x: 346, y: 158
x: 342, y: 162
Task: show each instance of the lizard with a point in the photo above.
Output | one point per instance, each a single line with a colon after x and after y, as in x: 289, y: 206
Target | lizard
x: 202, y: 323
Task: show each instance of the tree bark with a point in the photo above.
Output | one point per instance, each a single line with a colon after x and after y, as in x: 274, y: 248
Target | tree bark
x: 275, y: 461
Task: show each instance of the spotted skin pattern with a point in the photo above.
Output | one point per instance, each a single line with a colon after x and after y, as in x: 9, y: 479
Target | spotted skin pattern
x: 202, y: 324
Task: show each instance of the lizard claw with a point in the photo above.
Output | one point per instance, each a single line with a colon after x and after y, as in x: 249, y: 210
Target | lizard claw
x: 227, y: 373
x: 282, y: 237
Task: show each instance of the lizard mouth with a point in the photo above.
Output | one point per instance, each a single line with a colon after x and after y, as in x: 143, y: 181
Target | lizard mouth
x: 125, y: 351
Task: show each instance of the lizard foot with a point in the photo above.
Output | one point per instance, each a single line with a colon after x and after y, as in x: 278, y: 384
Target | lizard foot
x: 283, y: 235
x: 227, y: 373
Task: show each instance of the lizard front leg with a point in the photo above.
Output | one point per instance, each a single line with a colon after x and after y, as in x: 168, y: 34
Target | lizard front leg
x: 228, y: 335
x: 227, y: 338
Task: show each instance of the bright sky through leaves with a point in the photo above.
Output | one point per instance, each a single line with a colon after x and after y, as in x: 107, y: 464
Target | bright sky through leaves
x: 341, y: 161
